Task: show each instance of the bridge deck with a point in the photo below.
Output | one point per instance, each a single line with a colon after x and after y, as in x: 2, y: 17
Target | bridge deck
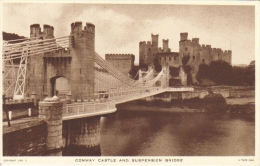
x: 89, y: 109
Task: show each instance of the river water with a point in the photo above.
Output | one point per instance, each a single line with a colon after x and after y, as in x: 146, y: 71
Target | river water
x: 136, y: 133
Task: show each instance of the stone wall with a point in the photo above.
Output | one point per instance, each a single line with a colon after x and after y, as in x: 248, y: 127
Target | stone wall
x: 25, y: 140
x: 201, y: 53
x: 123, y: 62
x: 169, y: 58
x: 50, y: 110
x: 82, y: 136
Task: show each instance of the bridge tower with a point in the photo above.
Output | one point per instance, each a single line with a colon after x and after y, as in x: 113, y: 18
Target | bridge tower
x: 82, y: 48
x: 75, y: 64
x: 37, y: 79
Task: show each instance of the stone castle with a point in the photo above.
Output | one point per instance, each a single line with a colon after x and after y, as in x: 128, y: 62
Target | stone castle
x: 197, y: 54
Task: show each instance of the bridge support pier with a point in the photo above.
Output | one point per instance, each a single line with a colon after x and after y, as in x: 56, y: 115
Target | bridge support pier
x: 50, y: 110
x: 84, y: 136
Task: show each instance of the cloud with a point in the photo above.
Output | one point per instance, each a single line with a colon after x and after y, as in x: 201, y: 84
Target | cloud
x: 118, y: 31
x: 18, y: 17
x: 113, y: 30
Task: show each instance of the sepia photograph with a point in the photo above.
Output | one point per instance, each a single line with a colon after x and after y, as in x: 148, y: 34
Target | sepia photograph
x: 134, y: 83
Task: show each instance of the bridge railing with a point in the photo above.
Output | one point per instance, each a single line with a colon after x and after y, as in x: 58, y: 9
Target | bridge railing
x: 135, y: 94
x: 87, y: 109
x: 182, y: 89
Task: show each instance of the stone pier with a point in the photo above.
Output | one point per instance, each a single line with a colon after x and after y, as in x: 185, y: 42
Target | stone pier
x: 50, y: 110
x: 83, y: 136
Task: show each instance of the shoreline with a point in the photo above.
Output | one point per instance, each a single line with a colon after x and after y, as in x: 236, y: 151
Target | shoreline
x: 234, y: 105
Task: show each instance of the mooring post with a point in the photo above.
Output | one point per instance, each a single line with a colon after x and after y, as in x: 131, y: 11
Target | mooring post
x: 33, y: 96
x: 6, y: 112
x: 50, y: 110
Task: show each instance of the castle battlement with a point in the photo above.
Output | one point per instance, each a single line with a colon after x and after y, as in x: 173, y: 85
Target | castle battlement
x: 142, y: 43
x: 208, y: 46
x: 183, y: 36
x: 195, y: 40
x: 119, y: 57
x: 152, y: 35
x: 47, y: 33
x: 77, y: 27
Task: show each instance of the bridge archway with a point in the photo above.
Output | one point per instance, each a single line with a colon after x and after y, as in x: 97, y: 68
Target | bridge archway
x: 60, y: 86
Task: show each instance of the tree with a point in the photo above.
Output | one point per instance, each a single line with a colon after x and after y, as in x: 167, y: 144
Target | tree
x: 203, y: 72
x: 185, y: 59
x: 174, y: 71
x: 133, y: 72
x: 239, y: 75
x: 221, y: 72
x: 250, y: 73
x: 12, y: 36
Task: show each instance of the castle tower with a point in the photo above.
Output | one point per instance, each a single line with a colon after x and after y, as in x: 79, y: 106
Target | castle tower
x: 82, y: 64
x: 123, y: 62
x: 155, y: 43
x: 165, y: 45
x: 48, y: 31
x: 35, y: 30
x: 142, y: 53
x: 36, y: 64
x: 184, y: 36
x: 155, y: 40
x: 195, y: 40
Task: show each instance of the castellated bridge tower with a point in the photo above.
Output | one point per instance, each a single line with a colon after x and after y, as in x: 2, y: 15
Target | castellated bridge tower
x: 37, y: 82
x: 64, y: 71
x: 83, y: 52
x: 35, y: 31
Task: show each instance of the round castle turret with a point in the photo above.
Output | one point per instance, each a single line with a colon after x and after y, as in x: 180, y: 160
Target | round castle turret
x: 77, y: 27
x: 165, y: 45
x: 35, y: 31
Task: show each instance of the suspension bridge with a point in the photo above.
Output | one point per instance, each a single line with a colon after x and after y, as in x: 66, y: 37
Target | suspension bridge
x: 32, y: 66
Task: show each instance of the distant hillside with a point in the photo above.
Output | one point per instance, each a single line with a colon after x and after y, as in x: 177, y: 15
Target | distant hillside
x: 11, y: 36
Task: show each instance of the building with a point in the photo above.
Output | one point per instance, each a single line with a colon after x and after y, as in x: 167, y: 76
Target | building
x: 192, y: 50
x: 201, y: 53
x: 122, y: 62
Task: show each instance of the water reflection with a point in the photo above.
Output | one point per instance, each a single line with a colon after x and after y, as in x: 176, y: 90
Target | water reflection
x: 127, y: 133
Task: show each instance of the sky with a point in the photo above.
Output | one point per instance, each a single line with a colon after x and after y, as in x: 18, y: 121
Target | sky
x: 120, y: 27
